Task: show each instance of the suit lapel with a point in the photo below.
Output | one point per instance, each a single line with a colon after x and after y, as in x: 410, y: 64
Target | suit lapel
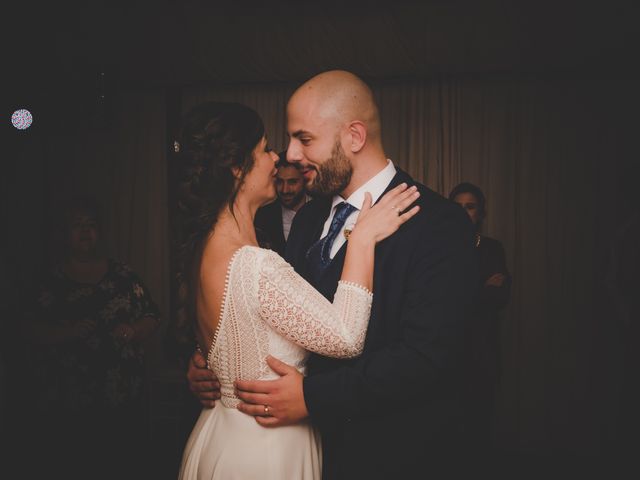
x: 397, y: 179
x: 308, y: 228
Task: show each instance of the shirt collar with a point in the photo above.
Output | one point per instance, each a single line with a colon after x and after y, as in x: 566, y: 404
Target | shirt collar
x: 376, y: 186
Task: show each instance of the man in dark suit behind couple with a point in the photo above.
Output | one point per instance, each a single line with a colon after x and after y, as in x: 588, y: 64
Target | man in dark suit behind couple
x: 273, y: 221
x: 395, y: 410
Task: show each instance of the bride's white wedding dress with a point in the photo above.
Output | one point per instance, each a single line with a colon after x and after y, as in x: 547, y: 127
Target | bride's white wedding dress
x: 268, y: 309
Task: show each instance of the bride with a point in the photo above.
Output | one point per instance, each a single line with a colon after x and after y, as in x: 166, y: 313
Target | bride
x: 248, y: 303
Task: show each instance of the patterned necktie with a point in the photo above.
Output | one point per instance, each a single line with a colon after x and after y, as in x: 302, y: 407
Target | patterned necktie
x: 319, y: 255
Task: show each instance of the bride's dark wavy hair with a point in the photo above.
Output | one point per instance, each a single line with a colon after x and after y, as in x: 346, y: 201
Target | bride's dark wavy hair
x: 216, y: 138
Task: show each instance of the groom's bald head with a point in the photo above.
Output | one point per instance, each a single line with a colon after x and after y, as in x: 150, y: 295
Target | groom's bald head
x: 336, y: 98
x: 334, y: 130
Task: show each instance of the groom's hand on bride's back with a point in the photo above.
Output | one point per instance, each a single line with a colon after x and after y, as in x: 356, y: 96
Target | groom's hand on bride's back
x: 277, y: 402
x: 202, y: 382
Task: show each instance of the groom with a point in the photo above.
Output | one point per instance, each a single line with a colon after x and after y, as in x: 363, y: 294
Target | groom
x: 395, y: 409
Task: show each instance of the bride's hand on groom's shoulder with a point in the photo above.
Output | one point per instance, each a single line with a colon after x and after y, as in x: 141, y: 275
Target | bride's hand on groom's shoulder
x: 277, y: 402
x: 377, y: 222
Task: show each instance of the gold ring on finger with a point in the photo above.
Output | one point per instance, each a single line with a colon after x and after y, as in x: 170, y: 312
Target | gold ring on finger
x: 266, y: 409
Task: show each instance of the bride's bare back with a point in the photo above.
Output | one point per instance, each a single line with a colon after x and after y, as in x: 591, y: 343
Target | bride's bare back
x: 214, y: 265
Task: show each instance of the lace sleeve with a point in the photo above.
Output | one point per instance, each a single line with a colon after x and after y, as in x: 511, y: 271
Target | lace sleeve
x: 303, y: 315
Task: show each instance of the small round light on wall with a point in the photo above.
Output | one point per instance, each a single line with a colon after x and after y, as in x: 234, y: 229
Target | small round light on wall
x: 22, y: 119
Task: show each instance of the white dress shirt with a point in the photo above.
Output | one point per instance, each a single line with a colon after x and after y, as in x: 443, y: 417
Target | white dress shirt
x: 375, y: 186
x: 287, y: 218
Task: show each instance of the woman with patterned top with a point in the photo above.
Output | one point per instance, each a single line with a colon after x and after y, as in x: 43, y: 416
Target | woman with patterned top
x: 248, y: 303
x: 88, y: 323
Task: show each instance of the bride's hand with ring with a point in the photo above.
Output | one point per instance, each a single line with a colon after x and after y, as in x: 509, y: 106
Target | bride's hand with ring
x: 381, y: 220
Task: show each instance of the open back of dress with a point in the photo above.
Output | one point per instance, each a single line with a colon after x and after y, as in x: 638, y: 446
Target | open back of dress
x: 268, y: 309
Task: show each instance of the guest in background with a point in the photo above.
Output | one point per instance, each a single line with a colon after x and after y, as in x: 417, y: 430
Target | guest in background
x: 273, y: 221
x: 482, y: 352
x: 87, y: 324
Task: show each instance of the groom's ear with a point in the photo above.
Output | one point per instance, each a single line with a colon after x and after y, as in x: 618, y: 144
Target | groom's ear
x: 358, y: 135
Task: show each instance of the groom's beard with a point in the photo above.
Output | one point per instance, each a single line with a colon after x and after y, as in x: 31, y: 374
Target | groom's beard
x: 333, y: 175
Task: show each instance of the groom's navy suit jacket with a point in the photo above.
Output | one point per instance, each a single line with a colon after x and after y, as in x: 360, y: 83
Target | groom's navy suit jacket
x: 396, y: 407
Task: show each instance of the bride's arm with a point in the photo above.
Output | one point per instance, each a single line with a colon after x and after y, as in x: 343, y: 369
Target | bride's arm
x: 303, y: 315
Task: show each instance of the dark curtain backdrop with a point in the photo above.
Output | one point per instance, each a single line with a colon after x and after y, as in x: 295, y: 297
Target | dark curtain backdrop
x: 113, y: 150
x: 546, y: 150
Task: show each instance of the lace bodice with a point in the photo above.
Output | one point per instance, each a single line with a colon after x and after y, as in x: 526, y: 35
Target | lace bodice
x: 268, y: 309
